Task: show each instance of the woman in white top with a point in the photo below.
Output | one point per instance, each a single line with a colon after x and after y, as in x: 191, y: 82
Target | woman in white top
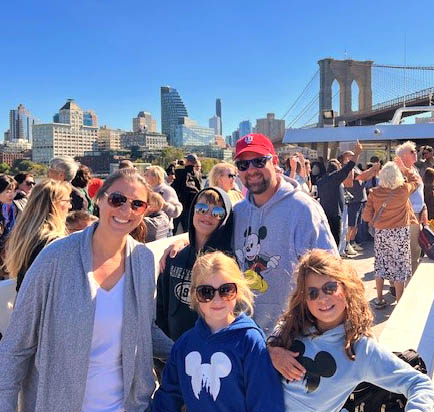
x: 223, y: 175
x: 82, y: 334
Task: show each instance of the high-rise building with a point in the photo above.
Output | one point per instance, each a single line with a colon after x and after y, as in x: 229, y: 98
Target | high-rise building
x: 144, y: 122
x: 90, y: 118
x: 145, y: 140
x: 271, y: 127
x: 189, y: 133
x: 245, y: 127
x: 214, y: 123
x: 21, y: 123
x: 235, y: 137
x: 67, y: 137
x: 218, y: 113
x: 172, y: 109
x: 109, y: 139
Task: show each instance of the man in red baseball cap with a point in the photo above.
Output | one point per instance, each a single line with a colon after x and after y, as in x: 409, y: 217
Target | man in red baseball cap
x: 273, y: 227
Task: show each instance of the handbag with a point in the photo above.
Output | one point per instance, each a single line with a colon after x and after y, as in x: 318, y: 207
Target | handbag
x: 426, y: 241
x: 371, y: 228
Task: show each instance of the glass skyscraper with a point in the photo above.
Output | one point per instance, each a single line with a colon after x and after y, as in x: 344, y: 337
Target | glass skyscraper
x: 245, y: 128
x: 21, y: 122
x: 172, y: 109
x: 189, y: 133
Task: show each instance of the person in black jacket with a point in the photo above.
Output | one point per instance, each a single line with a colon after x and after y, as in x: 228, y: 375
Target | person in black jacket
x: 331, y: 191
x: 187, y: 184
x: 206, y: 233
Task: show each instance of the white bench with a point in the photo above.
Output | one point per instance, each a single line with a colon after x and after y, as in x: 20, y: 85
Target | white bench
x: 7, y: 287
x: 411, y: 324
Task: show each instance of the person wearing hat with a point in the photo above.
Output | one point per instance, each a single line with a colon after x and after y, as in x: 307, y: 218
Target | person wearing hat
x: 187, y: 184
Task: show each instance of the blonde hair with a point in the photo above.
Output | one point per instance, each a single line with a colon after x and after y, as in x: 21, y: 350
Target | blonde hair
x: 405, y: 147
x: 155, y: 199
x: 390, y: 177
x: 217, y: 262
x: 157, y: 173
x: 40, y: 221
x: 297, y: 320
x: 217, y: 171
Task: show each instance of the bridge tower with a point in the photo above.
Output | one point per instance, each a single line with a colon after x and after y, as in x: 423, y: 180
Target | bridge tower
x: 345, y: 72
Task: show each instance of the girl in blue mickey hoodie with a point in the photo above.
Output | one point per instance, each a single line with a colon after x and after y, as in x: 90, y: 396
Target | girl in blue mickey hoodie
x: 328, y: 327
x: 222, y: 364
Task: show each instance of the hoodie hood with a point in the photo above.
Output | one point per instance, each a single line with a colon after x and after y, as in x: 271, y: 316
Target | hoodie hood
x: 221, y: 238
x: 242, y: 321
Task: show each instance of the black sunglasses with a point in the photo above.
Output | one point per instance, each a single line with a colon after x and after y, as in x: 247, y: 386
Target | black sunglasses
x: 29, y: 183
x: 116, y: 199
x: 206, y: 293
x: 232, y: 176
x: 328, y: 288
x: 257, y: 162
x: 217, y: 211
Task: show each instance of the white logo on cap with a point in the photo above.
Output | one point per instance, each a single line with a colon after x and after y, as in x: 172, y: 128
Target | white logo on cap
x: 248, y: 139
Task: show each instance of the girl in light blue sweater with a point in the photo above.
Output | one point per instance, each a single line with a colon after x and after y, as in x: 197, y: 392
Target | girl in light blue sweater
x: 328, y: 328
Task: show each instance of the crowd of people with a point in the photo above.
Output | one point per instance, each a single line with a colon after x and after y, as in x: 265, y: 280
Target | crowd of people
x: 259, y: 310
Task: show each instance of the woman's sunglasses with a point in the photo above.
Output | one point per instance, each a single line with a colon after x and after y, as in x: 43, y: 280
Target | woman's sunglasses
x: 232, y: 176
x: 257, y: 162
x: 29, y: 183
x: 217, y: 211
x: 206, y: 293
x: 328, y: 288
x: 116, y: 199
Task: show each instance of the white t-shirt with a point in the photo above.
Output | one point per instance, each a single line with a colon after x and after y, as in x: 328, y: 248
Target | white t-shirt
x: 104, y: 385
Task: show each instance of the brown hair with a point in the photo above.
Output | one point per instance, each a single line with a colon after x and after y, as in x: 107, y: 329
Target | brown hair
x: 297, y: 320
x: 210, y: 196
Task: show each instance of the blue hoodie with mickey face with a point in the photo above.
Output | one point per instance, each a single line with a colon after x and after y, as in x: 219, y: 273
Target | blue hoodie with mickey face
x: 226, y: 371
x: 331, y: 376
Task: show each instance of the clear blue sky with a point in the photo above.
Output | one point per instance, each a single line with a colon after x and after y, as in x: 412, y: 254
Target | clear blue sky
x: 113, y: 55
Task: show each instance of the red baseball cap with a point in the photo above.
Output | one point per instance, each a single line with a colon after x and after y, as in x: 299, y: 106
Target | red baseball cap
x: 254, y: 142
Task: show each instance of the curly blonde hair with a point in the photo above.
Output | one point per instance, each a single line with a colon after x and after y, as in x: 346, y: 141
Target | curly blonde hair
x: 217, y: 262
x: 297, y: 320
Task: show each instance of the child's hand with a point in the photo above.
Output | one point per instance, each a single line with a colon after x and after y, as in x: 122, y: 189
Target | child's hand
x: 284, y: 361
x: 172, y: 251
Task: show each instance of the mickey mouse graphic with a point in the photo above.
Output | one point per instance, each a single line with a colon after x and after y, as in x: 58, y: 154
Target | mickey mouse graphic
x: 323, y: 366
x: 256, y: 262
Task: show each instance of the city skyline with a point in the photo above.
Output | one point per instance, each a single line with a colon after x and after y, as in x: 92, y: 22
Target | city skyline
x: 262, y: 65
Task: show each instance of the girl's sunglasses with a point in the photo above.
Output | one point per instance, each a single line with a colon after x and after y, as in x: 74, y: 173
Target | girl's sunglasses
x: 116, y: 199
x: 227, y: 291
x: 217, y: 211
x: 328, y: 288
x: 257, y: 162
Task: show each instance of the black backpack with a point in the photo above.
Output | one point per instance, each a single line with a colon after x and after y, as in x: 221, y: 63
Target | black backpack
x: 370, y: 398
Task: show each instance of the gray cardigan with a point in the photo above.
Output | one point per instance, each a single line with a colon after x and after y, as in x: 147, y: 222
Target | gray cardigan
x: 44, y: 354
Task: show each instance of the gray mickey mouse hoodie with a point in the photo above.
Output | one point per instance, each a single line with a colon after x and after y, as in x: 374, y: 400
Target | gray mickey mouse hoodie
x: 269, y: 240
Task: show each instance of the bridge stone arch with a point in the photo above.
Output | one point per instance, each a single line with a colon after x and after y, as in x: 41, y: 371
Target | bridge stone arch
x: 345, y: 72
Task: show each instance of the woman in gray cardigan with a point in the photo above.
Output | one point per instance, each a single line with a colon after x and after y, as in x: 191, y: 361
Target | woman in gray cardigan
x: 61, y: 351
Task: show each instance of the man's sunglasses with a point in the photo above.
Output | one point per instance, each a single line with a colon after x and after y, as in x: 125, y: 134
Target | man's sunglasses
x: 206, y: 293
x: 30, y: 184
x: 328, y: 288
x: 116, y: 199
x: 217, y: 211
x: 257, y: 162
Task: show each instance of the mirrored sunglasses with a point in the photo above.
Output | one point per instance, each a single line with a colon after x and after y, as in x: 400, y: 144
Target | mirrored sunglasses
x: 217, y: 211
x: 116, y: 199
x: 328, y: 288
x: 257, y: 162
x: 206, y: 293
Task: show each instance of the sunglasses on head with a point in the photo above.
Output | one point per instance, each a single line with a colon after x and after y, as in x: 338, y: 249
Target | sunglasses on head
x: 257, y: 162
x: 206, y: 293
x: 217, y: 211
x: 328, y: 288
x: 116, y: 199
x: 29, y: 183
